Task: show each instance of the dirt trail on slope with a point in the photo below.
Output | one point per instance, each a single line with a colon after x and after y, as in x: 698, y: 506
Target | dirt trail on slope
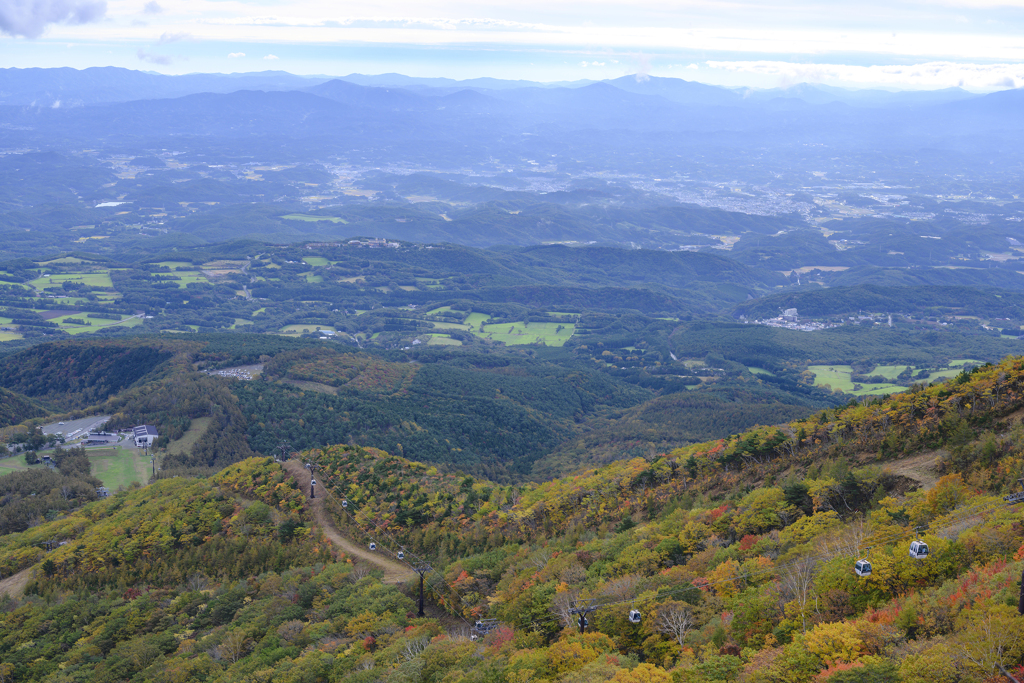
x: 394, y: 572
x: 921, y: 467
x: 14, y: 585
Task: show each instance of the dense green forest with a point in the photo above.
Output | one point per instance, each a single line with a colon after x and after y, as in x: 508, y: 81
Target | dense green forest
x: 16, y: 408
x: 509, y: 414
x: 32, y: 496
x: 489, y: 415
x: 76, y: 375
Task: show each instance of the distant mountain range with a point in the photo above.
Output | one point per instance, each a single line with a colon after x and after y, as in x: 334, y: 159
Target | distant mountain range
x: 67, y: 87
x: 636, y: 119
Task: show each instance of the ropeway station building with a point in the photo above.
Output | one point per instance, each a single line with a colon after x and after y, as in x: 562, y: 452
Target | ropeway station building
x: 144, y: 435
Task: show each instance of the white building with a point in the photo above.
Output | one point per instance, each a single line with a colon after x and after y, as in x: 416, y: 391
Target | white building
x: 144, y: 435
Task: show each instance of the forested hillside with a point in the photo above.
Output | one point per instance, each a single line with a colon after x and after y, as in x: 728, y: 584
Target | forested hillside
x: 15, y: 408
x: 739, y: 552
x: 509, y: 415
x: 28, y: 498
x: 493, y: 415
x: 77, y: 374
x: 730, y: 560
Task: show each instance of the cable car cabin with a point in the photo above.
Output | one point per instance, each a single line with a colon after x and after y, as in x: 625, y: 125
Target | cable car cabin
x: 862, y: 568
x: 344, y: 503
x: 373, y: 546
x: 634, y: 616
x: 919, y: 550
x: 401, y: 555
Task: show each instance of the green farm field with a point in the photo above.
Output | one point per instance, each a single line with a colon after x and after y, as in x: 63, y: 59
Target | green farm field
x: 98, y: 324
x: 316, y: 260
x: 477, y: 320
x: 303, y: 329
x: 449, y: 326
x: 838, y: 377
x: 63, y: 261
x: 89, y: 279
x: 442, y: 340
x: 551, y: 334
x: 16, y: 463
x: 175, y: 264
x: 313, y: 219
x: 185, y: 277
x: 436, y: 311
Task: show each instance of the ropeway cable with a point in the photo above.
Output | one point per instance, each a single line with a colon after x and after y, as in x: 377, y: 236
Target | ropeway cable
x: 394, y: 541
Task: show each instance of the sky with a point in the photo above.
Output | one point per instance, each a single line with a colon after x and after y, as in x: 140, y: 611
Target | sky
x: 894, y: 44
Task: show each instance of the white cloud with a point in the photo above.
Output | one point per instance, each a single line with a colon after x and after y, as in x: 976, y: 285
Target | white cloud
x: 271, y: 57
x: 235, y: 55
x: 673, y: 32
x: 174, y: 37
x: 154, y: 59
x: 925, y: 75
x: 29, y: 18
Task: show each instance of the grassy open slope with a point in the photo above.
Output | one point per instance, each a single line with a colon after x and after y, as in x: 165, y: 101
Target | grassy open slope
x: 118, y: 467
x: 196, y: 429
x: 552, y: 334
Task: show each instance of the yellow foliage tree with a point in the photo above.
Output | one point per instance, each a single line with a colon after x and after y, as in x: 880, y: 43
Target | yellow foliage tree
x: 759, y: 511
x: 835, y: 643
x: 565, y: 656
x: 947, y: 494
x: 991, y: 639
x: 937, y: 664
x: 644, y: 673
x: 806, y: 529
x: 725, y: 578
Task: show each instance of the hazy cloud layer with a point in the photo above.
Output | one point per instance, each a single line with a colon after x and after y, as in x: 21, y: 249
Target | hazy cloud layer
x: 929, y: 74
x: 972, y: 43
x: 174, y: 37
x: 30, y: 17
x: 154, y: 59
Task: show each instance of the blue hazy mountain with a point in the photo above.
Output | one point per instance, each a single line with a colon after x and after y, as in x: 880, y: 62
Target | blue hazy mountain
x: 67, y: 87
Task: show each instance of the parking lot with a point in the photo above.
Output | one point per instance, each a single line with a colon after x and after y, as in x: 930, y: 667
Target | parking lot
x: 81, y: 426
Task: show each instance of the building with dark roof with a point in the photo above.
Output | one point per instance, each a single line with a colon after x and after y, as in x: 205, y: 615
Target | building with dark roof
x: 144, y: 435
